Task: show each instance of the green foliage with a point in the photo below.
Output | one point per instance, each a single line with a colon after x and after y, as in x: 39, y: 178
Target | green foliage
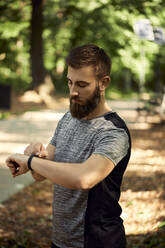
x: 107, y: 23
x: 4, y: 115
x: 110, y: 25
x: 14, y: 44
x: 162, y: 224
x: 12, y: 29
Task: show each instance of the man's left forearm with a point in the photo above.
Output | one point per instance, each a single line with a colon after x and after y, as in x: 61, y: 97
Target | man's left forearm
x: 65, y: 174
x: 70, y: 175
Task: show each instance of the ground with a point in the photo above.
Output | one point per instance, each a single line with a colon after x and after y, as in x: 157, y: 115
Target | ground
x: 25, y: 219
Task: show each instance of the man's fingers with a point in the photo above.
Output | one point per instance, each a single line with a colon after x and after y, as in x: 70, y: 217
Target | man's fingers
x: 13, y: 170
x: 18, y: 173
x: 17, y: 164
x: 43, y: 152
x: 9, y: 162
x: 12, y: 167
x: 37, y: 149
x: 27, y: 150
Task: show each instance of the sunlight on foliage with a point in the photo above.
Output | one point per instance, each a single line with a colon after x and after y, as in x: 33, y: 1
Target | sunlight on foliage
x: 66, y: 24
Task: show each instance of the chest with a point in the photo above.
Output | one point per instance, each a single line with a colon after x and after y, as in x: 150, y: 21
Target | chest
x: 75, y: 143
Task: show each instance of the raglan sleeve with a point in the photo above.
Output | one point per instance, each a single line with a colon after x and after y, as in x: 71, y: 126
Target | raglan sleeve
x: 112, y: 143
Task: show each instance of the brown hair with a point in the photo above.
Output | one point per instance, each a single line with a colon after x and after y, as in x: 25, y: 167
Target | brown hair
x: 87, y: 55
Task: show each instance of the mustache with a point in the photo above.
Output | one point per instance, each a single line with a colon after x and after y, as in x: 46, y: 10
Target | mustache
x: 74, y: 98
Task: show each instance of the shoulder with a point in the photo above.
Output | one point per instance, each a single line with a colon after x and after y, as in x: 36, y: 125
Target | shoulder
x: 112, y: 138
x: 65, y: 118
x: 113, y: 122
x: 111, y: 126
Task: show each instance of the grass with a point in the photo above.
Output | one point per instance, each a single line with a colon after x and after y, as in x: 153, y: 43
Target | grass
x: 4, y: 115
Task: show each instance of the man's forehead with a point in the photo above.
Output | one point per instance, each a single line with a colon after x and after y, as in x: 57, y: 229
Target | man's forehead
x: 86, y: 72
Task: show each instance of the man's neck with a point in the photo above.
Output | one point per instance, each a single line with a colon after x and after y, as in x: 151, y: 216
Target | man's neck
x: 100, y: 110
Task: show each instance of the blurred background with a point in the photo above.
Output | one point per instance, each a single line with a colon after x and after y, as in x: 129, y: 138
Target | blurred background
x: 36, y: 36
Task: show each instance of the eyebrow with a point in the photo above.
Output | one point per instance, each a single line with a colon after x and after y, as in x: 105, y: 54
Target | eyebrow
x: 79, y: 81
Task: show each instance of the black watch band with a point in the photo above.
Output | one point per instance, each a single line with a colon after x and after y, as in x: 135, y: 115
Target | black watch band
x: 29, y: 161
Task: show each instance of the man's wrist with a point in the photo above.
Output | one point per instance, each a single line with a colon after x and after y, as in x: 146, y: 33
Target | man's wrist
x: 30, y: 160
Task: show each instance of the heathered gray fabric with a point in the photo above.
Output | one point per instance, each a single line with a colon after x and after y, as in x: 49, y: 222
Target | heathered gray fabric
x: 75, y: 141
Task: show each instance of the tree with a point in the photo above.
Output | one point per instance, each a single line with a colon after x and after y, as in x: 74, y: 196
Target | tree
x: 36, y: 47
x: 56, y: 26
x: 41, y: 81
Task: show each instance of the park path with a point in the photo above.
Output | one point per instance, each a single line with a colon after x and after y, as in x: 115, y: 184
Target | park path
x: 15, y: 135
x: 35, y: 126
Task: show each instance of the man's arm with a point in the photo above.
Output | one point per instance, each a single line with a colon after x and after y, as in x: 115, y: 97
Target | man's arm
x: 39, y: 150
x: 70, y: 175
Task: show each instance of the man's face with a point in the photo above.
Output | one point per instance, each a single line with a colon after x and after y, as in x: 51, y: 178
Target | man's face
x: 84, y: 91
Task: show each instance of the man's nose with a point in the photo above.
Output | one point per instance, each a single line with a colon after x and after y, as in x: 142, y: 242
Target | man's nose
x: 74, y: 91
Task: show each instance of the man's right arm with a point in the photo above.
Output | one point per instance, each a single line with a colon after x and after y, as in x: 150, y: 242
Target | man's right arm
x: 40, y: 151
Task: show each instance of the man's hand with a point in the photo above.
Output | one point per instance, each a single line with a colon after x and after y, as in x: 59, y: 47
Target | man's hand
x: 36, y: 148
x: 17, y: 164
x: 39, y: 150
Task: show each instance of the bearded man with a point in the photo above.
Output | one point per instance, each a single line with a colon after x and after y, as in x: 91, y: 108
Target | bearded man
x: 86, y: 159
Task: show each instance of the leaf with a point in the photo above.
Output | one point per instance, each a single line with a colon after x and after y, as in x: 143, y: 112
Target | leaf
x: 12, y: 29
x: 129, y: 203
x: 162, y: 224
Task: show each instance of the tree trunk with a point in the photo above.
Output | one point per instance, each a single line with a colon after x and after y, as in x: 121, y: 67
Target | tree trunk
x: 37, y: 65
x: 41, y: 81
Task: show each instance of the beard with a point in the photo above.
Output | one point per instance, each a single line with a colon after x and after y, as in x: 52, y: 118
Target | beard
x: 80, y: 111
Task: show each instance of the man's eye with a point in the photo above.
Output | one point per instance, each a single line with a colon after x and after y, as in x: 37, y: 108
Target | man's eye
x: 82, y: 85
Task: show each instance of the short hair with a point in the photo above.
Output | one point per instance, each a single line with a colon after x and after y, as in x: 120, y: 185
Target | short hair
x: 87, y: 55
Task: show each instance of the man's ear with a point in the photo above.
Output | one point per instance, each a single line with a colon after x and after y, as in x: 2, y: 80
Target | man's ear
x: 104, y: 82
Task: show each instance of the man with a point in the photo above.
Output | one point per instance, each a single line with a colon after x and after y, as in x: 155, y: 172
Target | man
x: 86, y: 159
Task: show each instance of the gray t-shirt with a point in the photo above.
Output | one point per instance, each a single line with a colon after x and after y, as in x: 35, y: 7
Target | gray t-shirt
x: 75, y: 141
